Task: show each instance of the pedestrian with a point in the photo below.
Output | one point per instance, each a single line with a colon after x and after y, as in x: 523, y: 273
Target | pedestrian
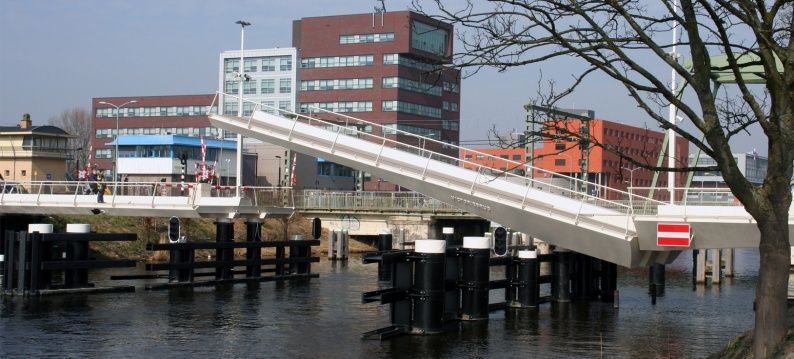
x: 100, y: 194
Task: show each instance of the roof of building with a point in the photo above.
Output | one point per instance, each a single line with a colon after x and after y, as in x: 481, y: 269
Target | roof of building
x: 179, y: 140
x: 39, y: 130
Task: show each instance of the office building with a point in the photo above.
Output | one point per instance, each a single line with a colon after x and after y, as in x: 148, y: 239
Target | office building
x: 385, y: 67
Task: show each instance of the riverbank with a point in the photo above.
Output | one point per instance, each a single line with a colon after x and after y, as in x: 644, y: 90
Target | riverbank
x: 741, y: 346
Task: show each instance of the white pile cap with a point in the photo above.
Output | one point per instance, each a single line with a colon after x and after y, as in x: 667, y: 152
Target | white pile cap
x: 527, y: 254
x: 385, y: 231
x: 40, y: 227
x: 78, y: 228
x: 476, y: 243
x: 430, y: 246
x: 448, y: 230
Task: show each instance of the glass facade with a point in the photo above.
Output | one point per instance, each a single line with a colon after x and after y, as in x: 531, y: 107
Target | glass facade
x: 258, y: 64
x: 402, y: 60
x: 391, y: 129
x: 185, y: 131
x: 429, y: 38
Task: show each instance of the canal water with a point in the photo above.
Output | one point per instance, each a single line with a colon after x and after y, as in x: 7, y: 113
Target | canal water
x: 324, y: 318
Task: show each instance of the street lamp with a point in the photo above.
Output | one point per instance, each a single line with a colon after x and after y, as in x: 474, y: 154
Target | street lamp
x: 278, y: 160
x: 239, y: 178
x: 227, y: 171
x: 116, y: 154
x: 631, y: 174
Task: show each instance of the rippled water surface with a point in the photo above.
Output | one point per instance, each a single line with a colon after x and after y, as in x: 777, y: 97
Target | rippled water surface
x: 324, y: 318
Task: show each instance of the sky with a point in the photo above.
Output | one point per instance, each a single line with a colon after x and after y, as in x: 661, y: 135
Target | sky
x: 59, y: 54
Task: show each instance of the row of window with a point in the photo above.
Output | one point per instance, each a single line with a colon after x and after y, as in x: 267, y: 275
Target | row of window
x: 230, y: 108
x: 259, y: 64
x: 366, y: 38
x: 411, y: 85
x: 391, y: 129
x: 186, y: 131
x: 336, y: 84
x: 265, y: 86
x: 633, y: 136
x: 350, y: 106
x: 429, y: 38
x: 450, y: 106
x: 155, y: 111
x: 337, y: 61
x: 450, y: 125
x: 410, y: 107
x: 481, y: 156
x: 402, y: 60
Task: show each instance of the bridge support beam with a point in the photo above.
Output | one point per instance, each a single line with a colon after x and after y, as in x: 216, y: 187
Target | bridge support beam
x: 224, y: 232
x: 727, y: 258
x: 700, y: 266
x: 253, y: 233
x: 384, y: 244
x: 716, y: 265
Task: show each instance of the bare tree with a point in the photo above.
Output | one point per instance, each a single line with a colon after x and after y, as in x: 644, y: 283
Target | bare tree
x: 746, y: 43
x: 77, y: 122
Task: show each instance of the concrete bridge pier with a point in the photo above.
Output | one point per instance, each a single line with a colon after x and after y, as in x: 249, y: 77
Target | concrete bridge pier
x: 656, y: 279
x: 561, y: 285
x: 224, y: 232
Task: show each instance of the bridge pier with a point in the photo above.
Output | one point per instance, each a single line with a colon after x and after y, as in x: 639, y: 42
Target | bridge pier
x: 76, y: 251
x: 224, y: 232
x: 656, y: 279
x: 561, y: 286
x: 253, y: 233
x: 384, y: 244
x: 475, y: 278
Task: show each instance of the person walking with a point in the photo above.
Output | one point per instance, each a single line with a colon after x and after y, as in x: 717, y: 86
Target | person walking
x: 100, y: 194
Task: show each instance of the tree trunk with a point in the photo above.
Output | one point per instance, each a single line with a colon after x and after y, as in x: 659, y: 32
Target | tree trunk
x: 772, y: 291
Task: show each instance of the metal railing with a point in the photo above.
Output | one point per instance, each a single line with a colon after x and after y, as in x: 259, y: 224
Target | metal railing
x: 323, y: 200
x: 36, y: 192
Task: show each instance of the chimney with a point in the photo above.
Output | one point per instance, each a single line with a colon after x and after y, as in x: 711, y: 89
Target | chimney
x: 25, y: 123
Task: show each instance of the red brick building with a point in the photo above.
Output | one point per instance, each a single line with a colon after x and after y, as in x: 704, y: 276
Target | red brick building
x: 605, y: 167
x: 149, y: 115
x: 386, y: 68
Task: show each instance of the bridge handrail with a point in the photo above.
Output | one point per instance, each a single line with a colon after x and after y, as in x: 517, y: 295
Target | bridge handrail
x: 371, y: 200
x: 264, y: 195
x: 530, y: 182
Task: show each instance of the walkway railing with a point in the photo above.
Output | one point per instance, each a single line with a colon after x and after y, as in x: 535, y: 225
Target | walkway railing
x: 322, y: 200
x: 42, y: 192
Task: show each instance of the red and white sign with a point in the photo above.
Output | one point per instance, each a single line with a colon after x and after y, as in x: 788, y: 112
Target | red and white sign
x: 673, y: 235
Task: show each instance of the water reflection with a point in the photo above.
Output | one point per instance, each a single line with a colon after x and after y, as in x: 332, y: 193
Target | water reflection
x: 325, y: 318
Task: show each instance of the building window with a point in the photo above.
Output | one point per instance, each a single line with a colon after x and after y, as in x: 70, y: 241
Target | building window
x: 351, y: 106
x: 366, y: 38
x: 250, y: 65
x: 559, y: 146
x: 268, y: 86
x: 411, y: 85
x: 412, y: 108
x: 480, y: 157
x: 336, y: 61
x: 268, y: 64
x: 103, y: 153
x: 391, y: 129
x: 249, y: 87
x: 230, y: 108
x: 559, y: 162
x: 269, y: 106
x: 285, y: 105
x: 451, y: 87
x: 24, y: 173
x: 248, y: 108
x: 516, y: 157
x: 467, y: 157
x: 429, y: 38
x: 337, y: 84
x: 402, y: 60
x: 285, y: 85
x: 230, y: 87
x: 454, y: 106
x: 285, y: 63
x: 231, y: 65
x: 504, y: 157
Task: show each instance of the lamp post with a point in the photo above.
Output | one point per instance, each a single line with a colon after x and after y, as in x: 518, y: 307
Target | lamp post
x: 278, y: 160
x: 631, y: 174
x: 228, y: 160
x: 116, y: 154
x: 239, y: 179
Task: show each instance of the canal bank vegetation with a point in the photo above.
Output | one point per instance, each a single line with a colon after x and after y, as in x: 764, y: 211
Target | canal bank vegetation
x: 735, y: 60
x: 155, y: 229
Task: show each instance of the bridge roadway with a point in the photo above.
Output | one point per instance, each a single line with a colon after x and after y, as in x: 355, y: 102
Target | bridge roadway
x: 138, y: 199
x: 611, y: 225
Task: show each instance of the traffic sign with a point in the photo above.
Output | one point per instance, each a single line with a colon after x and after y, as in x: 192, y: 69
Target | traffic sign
x: 673, y: 235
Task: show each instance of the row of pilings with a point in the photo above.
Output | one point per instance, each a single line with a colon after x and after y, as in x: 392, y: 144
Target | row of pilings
x: 437, y: 283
